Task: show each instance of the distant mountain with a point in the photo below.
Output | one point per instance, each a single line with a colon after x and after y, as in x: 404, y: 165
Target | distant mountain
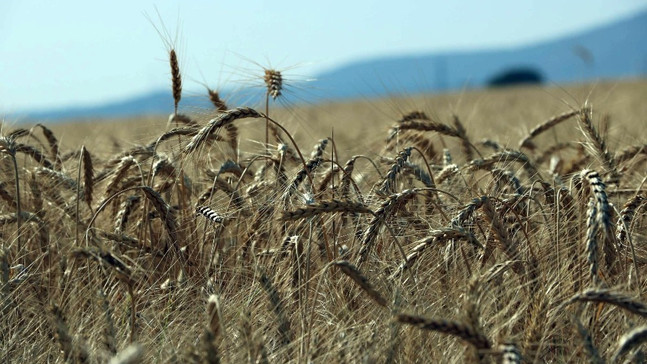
x: 615, y: 50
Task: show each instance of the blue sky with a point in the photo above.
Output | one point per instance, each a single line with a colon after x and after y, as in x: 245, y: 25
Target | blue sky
x: 69, y: 52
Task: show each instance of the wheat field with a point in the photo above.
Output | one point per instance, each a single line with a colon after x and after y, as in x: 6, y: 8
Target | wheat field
x: 495, y: 226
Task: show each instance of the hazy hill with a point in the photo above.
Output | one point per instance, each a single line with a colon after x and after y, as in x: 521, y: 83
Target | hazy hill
x: 615, y: 50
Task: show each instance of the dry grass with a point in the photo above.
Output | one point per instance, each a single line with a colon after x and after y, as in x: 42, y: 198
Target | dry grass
x: 220, y: 247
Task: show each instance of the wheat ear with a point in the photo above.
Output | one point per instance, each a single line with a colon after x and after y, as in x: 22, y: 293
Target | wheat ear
x: 210, y: 214
x: 176, y: 78
x: 627, y: 215
x: 629, y: 341
x: 599, y: 146
x: 353, y: 273
x: 466, y: 146
x: 611, y: 297
x: 330, y: 206
x: 53, y: 144
x: 454, y: 328
x: 109, y: 332
x: 220, y: 121
x: 388, y: 185
x: 527, y: 141
x: 413, y: 115
x: 88, y: 176
x: 285, y: 331
x: 436, y: 236
x: 394, y: 202
x: 125, y: 210
x: 510, y: 353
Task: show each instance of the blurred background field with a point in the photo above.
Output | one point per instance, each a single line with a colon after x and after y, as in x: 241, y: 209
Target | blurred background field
x: 503, y: 115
